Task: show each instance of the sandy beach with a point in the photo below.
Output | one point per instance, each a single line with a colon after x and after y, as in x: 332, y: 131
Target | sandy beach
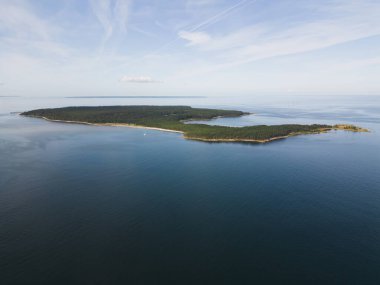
x: 336, y: 127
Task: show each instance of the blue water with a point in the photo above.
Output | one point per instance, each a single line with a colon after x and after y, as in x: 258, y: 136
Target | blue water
x: 105, y: 205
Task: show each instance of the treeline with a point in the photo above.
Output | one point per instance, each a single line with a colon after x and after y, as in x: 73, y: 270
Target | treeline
x: 172, y: 117
x: 131, y: 114
x: 261, y: 132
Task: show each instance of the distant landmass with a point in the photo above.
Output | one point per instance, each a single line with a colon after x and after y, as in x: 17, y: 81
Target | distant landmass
x: 173, y: 118
x: 135, y: 97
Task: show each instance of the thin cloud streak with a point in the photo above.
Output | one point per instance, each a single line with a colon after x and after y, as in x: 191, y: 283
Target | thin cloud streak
x: 208, y: 22
x: 260, y: 42
x: 113, y: 18
x: 20, y: 22
x: 218, y: 17
x: 87, y: 46
x: 194, y: 38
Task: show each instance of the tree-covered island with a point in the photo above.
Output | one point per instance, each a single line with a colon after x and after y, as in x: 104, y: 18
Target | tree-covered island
x: 173, y: 118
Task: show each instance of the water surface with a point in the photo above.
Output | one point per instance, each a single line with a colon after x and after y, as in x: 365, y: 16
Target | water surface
x: 105, y: 205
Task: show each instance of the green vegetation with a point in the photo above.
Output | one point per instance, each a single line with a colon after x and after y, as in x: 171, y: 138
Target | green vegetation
x: 173, y: 118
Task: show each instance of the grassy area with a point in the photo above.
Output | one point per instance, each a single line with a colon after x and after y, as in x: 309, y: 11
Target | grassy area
x: 173, y: 117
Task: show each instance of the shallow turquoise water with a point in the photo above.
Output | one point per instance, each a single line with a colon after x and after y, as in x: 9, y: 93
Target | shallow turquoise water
x: 103, y: 205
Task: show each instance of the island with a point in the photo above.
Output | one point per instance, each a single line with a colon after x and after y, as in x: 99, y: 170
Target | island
x: 178, y: 119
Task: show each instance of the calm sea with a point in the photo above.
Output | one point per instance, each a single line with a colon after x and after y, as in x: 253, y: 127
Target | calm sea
x: 106, y: 205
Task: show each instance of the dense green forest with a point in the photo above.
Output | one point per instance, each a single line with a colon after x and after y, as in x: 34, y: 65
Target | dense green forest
x: 173, y: 118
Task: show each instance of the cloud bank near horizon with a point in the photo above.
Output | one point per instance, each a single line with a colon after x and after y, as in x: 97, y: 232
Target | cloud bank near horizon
x: 138, y: 79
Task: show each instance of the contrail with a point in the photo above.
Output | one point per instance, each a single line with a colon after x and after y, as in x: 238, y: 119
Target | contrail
x: 211, y: 21
x: 216, y: 18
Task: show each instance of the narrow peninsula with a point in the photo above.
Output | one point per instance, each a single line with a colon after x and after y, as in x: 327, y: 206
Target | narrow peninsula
x: 176, y: 119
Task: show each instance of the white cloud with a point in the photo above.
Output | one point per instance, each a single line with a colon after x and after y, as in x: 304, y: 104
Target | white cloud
x: 138, y: 79
x: 194, y: 38
x: 238, y: 39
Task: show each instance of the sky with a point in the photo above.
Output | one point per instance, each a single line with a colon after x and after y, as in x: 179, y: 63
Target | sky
x: 189, y: 47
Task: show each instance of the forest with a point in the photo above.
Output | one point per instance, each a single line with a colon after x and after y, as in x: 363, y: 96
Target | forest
x: 174, y: 118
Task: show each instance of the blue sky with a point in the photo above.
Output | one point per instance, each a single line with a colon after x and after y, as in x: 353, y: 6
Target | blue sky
x: 189, y: 47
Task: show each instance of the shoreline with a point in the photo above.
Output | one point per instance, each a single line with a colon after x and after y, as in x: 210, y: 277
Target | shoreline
x: 335, y: 127
x: 158, y: 129
x: 259, y: 141
x: 105, y: 124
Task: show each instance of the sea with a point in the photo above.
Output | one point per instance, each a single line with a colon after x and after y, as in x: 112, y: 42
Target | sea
x: 86, y: 204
